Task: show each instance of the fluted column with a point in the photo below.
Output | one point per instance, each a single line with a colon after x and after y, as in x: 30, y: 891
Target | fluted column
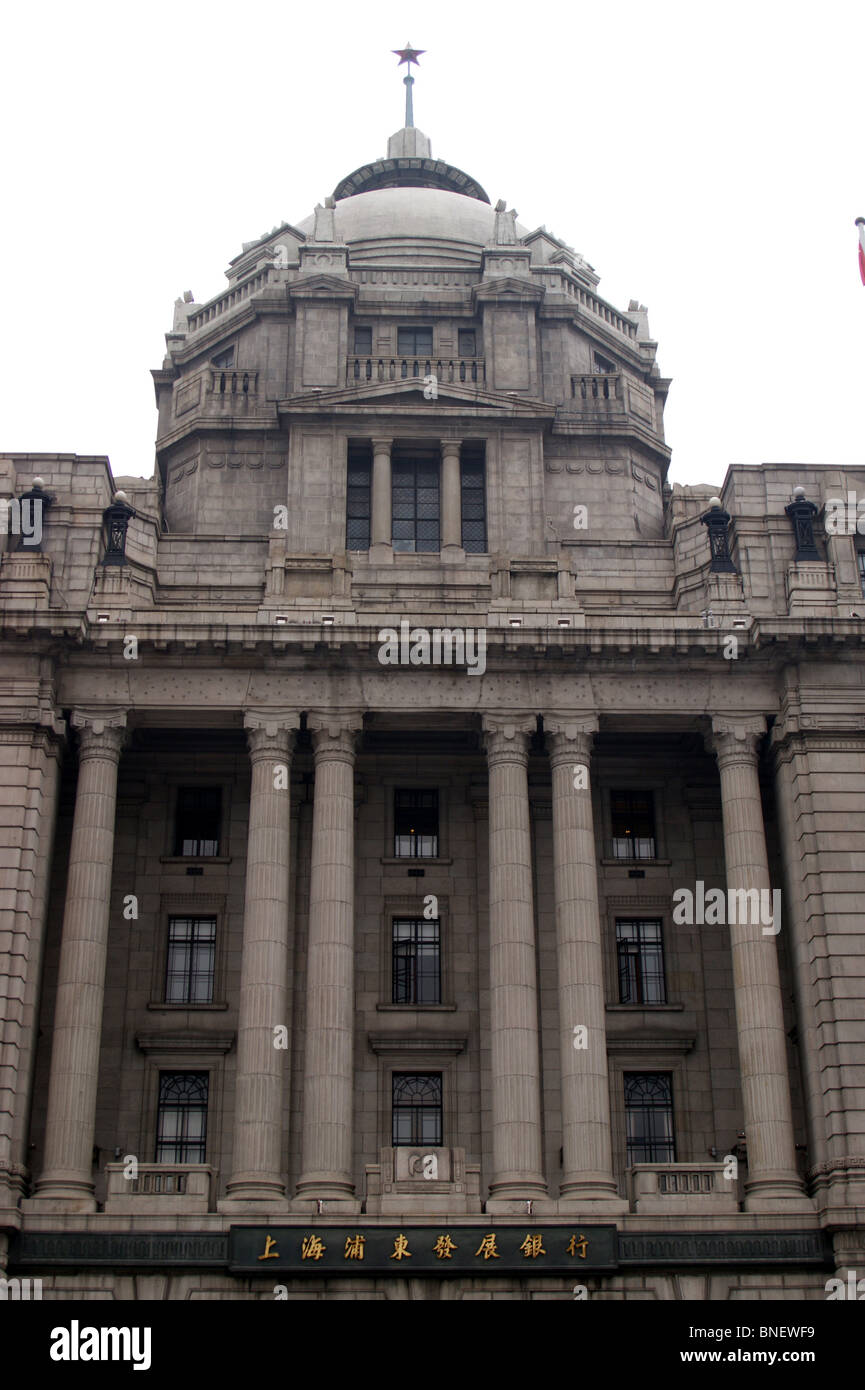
x: 263, y: 1069
x: 451, y: 501
x: 772, y: 1175
x: 516, y: 1086
x: 587, y: 1176
x: 382, y: 497
x: 328, y: 1093
x: 71, y: 1120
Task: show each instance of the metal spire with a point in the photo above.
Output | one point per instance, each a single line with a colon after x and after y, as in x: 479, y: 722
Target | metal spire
x: 408, y: 55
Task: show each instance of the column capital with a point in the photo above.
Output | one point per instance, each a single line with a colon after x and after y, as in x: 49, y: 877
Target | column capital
x: 570, y: 736
x: 381, y: 444
x: 506, y: 737
x: 735, y: 738
x: 333, y: 732
x: 270, y: 728
x: 451, y: 448
x: 102, y: 732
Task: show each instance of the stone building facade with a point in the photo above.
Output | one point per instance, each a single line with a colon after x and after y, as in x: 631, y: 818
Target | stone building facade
x: 390, y: 786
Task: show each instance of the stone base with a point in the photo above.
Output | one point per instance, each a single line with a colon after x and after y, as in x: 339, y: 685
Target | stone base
x: 593, y: 1206
x: 509, y: 1206
x: 330, y: 1206
x: 247, y: 1206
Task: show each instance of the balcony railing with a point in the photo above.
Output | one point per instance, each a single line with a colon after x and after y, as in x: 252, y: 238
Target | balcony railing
x: 470, y: 370
x: 232, y: 382
x: 188, y: 1188
x: 598, y: 387
x: 658, y: 1188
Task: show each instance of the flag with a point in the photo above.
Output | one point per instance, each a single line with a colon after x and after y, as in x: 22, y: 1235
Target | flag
x: 860, y: 223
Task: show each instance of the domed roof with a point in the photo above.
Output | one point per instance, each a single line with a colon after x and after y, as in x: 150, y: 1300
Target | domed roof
x: 397, y: 222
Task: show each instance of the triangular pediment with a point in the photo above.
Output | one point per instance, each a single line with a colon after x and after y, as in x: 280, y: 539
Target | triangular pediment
x: 409, y: 395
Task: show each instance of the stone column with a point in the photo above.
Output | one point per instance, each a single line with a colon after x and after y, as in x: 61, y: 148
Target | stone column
x: 451, y: 501
x: 328, y: 1093
x: 516, y: 1085
x: 70, y: 1126
x: 587, y: 1178
x: 263, y: 1068
x: 773, y: 1179
x: 382, y: 496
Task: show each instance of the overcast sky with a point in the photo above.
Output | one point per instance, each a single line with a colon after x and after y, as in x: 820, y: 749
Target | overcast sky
x: 707, y: 160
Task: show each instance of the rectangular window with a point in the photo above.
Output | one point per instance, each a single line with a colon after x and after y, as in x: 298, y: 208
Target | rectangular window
x: 468, y: 342
x: 190, y: 962
x: 600, y: 365
x: 414, y: 342
x: 860, y: 560
x: 358, y: 498
x: 199, y: 812
x: 633, y: 823
x: 473, y: 499
x: 640, y: 951
x: 181, y: 1127
x: 649, y: 1117
x: 416, y: 961
x: 224, y: 358
x: 417, y: 1108
x: 416, y: 824
x: 363, y: 342
x: 415, y: 494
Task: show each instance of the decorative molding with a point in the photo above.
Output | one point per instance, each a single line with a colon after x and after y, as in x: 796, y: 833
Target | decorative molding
x: 185, y: 1042
x: 395, y: 1045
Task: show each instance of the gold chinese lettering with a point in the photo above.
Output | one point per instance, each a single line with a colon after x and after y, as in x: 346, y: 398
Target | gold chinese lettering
x: 269, y: 1252
x: 443, y: 1247
x: 354, y: 1247
x: 487, y: 1248
x: 532, y: 1246
x: 400, y: 1248
x: 311, y: 1248
x: 579, y: 1247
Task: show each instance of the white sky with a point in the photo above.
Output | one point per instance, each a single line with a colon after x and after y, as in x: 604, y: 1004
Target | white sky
x: 706, y: 159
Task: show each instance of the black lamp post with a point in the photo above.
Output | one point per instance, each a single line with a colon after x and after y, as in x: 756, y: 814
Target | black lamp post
x: 802, y: 513
x: 716, y: 521
x: 117, y: 518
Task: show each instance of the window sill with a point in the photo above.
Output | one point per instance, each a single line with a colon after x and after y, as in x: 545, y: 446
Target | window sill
x: 195, y: 859
x: 647, y: 1008
x: 415, y: 1008
x: 159, y: 1006
x: 418, y: 862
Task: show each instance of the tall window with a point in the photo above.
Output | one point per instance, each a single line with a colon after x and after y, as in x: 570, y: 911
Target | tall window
x: 641, y: 962
x: 468, y: 342
x: 358, y: 498
x: 181, y: 1128
x: 860, y: 560
x: 191, y: 954
x: 363, y: 342
x: 196, y: 831
x: 416, y: 503
x: 416, y: 824
x: 414, y: 342
x: 416, y: 961
x: 417, y: 1108
x: 474, y: 499
x: 649, y: 1117
x: 633, y: 824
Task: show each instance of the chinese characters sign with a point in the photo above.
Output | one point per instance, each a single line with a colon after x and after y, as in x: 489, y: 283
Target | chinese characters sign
x: 447, y: 1249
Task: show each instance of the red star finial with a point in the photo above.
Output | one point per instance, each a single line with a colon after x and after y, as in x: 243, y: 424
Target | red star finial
x: 408, y: 55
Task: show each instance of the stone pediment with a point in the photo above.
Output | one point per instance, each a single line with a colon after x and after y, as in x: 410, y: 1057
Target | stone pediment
x: 409, y: 395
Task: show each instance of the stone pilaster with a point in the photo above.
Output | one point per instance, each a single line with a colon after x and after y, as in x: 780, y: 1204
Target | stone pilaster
x: 263, y: 1067
x: 328, y: 1093
x: 382, y: 501
x: 67, y: 1180
x: 587, y: 1178
x: 451, y: 502
x: 773, y: 1179
x: 30, y: 759
x: 516, y: 1089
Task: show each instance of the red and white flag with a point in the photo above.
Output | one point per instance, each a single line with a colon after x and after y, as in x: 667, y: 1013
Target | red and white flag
x: 860, y: 223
